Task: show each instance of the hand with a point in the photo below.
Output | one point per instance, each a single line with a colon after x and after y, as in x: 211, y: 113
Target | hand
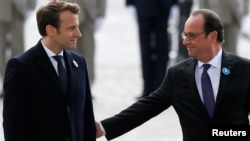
x: 99, y: 132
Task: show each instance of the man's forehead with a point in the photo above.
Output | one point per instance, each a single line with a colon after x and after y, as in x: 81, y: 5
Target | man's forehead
x: 195, y: 19
x: 67, y: 16
x: 194, y: 22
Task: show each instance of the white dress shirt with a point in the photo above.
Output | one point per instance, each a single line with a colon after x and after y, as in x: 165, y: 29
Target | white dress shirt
x: 214, y: 73
x: 50, y: 55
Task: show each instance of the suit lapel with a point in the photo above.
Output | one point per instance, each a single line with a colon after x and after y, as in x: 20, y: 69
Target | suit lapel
x: 190, y: 70
x: 191, y: 77
x: 46, y: 65
x: 227, y: 62
x: 191, y: 80
x: 71, y: 65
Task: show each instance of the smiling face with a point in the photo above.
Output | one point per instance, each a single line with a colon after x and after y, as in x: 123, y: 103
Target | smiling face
x: 65, y: 36
x: 58, y: 24
x: 200, y: 45
x: 68, y: 32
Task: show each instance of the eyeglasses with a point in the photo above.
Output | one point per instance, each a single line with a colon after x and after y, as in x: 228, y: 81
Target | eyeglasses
x: 191, y: 35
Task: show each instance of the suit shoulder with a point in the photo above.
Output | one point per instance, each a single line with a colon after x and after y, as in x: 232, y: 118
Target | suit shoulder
x: 238, y: 59
x: 26, y: 56
x: 75, y: 54
x: 183, y: 63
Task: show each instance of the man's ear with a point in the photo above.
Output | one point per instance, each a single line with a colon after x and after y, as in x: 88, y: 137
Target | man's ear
x: 214, y: 36
x: 50, y: 30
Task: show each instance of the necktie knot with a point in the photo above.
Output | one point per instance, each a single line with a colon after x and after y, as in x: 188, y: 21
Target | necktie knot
x: 60, y: 64
x: 58, y: 59
x: 206, y: 67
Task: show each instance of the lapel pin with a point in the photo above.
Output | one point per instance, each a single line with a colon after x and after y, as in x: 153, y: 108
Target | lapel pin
x: 225, y: 71
x: 75, y: 63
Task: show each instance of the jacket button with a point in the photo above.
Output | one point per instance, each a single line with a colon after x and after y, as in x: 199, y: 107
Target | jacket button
x: 68, y: 109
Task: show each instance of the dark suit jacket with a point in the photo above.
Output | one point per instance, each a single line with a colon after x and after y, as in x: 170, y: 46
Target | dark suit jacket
x: 35, y: 108
x: 179, y: 90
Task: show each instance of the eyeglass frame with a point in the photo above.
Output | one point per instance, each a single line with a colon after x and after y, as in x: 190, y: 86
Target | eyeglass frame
x: 190, y: 35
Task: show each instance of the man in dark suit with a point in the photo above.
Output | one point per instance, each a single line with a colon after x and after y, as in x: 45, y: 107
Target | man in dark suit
x: 152, y: 19
x: 183, y: 87
x: 36, y: 107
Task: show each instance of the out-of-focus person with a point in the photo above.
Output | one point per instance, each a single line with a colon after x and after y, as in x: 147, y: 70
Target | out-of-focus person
x: 231, y: 15
x: 47, y: 94
x: 152, y: 19
x: 185, y: 7
x: 91, y: 19
x: 13, y: 14
x: 245, y: 6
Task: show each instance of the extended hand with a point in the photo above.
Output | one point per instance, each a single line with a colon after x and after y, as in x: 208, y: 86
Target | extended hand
x: 99, y: 132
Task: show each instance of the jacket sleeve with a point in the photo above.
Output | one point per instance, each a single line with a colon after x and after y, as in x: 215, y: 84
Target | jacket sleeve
x: 135, y: 115
x: 14, y: 104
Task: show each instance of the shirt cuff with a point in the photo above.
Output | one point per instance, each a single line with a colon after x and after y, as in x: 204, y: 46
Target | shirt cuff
x: 102, y: 128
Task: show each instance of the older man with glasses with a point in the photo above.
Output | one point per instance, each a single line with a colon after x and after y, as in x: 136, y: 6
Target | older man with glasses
x: 209, y: 90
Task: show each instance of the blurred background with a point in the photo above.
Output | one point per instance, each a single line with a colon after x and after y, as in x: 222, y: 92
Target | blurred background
x: 118, y: 80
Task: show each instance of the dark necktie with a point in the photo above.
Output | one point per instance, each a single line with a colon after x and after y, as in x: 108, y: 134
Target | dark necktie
x: 61, y: 73
x: 207, y: 91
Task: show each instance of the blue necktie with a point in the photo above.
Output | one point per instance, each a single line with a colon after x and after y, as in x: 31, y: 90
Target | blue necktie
x: 207, y: 91
x: 61, y: 73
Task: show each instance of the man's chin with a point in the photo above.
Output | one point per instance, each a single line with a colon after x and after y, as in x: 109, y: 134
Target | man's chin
x: 72, y: 47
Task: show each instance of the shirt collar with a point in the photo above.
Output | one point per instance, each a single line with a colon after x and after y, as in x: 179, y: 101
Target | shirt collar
x: 215, y: 62
x: 49, y: 52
